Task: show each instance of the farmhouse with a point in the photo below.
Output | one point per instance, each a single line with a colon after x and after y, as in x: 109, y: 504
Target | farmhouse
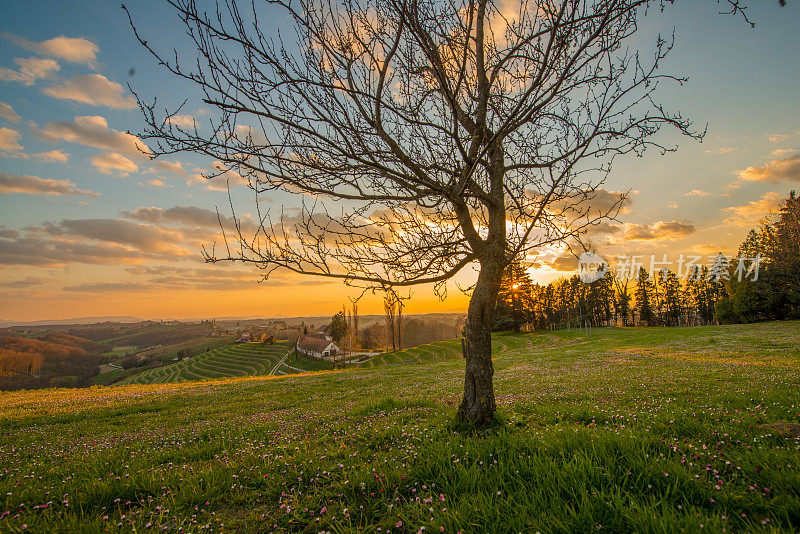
x: 244, y: 337
x: 317, y: 347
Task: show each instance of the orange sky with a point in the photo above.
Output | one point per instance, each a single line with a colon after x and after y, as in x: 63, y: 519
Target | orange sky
x: 89, y: 226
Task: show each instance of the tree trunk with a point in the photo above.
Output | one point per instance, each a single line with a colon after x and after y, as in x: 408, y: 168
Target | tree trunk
x: 478, y: 404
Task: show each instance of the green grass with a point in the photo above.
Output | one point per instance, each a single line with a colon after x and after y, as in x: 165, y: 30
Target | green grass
x: 117, y: 353
x: 109, y: 377
x: 308, y: 363
x: 629, y: 430
x: 240, y: 359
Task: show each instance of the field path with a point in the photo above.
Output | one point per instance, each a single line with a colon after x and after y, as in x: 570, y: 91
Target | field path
x: 280, y: 362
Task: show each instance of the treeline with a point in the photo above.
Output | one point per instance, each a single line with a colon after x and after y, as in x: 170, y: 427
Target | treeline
x: 776, y: 293
x: 729, y: 291
x: 397, y: 331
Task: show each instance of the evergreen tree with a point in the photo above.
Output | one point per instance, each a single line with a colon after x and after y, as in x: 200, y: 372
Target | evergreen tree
x: 515, y: 305
x: 775, y: 294
x: 338, y: 326
x: 672, y: 299
x: 644, y: 291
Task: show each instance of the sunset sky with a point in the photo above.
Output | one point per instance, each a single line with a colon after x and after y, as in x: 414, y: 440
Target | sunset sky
x: 89, y: 226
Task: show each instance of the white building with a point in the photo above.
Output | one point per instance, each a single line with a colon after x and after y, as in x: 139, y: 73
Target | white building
x: 317, y: 347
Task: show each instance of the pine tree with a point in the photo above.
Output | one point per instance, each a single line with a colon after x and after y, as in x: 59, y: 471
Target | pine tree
x: 644, y: 291
x: 672, y: 299
x: 515, y: 304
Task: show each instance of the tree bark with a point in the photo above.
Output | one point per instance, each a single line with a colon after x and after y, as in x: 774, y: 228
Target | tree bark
x: 478, y: 403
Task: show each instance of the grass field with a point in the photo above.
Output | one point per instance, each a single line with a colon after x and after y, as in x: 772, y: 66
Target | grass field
x: 240, y: 359
x: 629, y: 430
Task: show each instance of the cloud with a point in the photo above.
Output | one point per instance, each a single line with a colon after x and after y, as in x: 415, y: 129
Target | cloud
x: 154, y: 269
x: 777, y: 138
x: 93, y: 131
x: 35, y: 251
x: 72, y: 49
x: 144, y: 237
x: 53, y: 155
x: 29, y: 281
x: 564, y: 262
x: 110, y: 241
x: 779, y: 152
x: 605, y: 200
x: 8, y: 233
x: 182, y: 121
x: 603, y: 228
x: 157, y: 183
x: 8, y: 113
x: 697, y: 193
x: 33, y: 185
x: 183, y: 279
x: 30, y: 69
x: 107, y: 287
x: 787, y: 168
x: 658, y: 230
x: 721, y: 150
x: 220, y: 180
x: 173, y: 167
x: 160, y: 277
x: 111, y: 162
x: 749, y: 214
x: 92, y: 89
x: 9, y: 143
x: 185, y: 215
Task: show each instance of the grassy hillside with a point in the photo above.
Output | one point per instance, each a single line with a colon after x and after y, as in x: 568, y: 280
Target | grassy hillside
x: 240, y: 359
x: 646, y: 430
x: 446, y: 350
x: 55, y: 359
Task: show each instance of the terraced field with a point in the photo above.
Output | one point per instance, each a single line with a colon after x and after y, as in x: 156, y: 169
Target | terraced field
x: 242, y: 359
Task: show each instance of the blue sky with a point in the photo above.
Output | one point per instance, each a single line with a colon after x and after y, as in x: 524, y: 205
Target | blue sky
x: 743, y: 82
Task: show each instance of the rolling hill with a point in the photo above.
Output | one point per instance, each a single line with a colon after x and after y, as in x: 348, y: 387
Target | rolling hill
x: 624, y: 430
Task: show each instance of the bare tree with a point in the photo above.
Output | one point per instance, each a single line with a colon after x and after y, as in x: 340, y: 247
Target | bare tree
x: 421, y: 136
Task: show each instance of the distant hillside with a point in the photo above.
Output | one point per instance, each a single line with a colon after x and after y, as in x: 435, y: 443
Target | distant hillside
x: 66, y: 322
x: 55, y: 360
x: 61, y: 338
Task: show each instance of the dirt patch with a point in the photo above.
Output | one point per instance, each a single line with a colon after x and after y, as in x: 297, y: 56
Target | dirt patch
x: 784, y: 429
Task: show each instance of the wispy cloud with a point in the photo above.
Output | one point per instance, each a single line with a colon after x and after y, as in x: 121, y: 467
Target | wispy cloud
x: 778, y: 170
x: 8, y: 113
x: 157, y: 182
x: 9, y: 143
x: 52, y: 156
x: 93, y: 131
x: 658, y: 230
x: 113, y: 163
x: 697, y: 193
x: 721, y: 150
x: 94, y: 90
x: 777, y: 138
x: 29, y: 70
x: 749, y: 214
x: 72, y: 49
x: 33, y: 185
